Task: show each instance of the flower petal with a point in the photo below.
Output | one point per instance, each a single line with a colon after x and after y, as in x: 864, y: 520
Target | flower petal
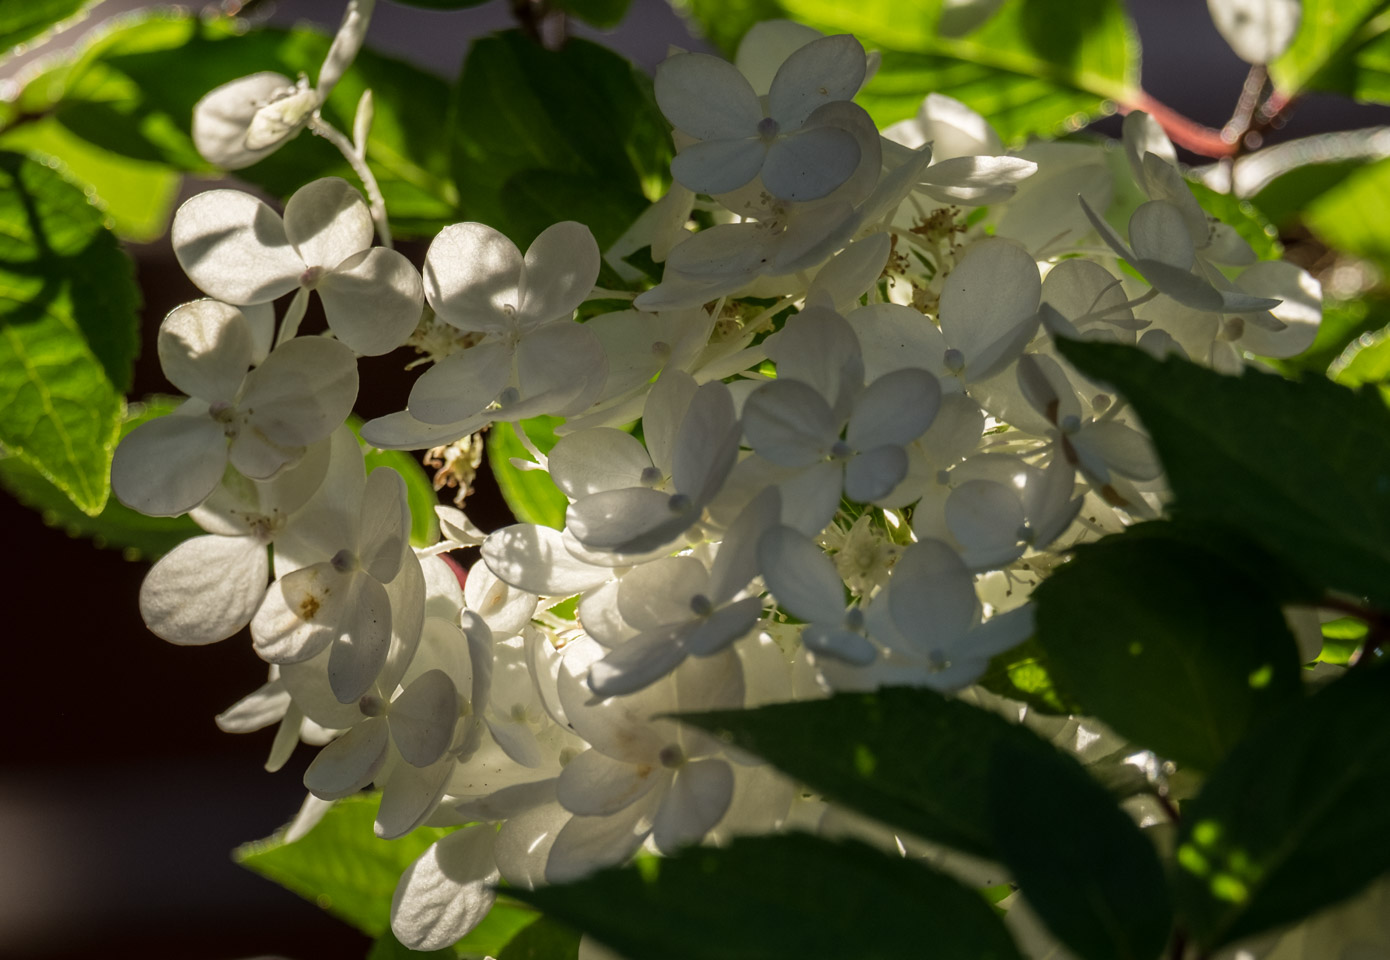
x: 719, y: 166
x: 461, y: 385
x: 448, y: 891
x: 562, y: 265
x: 327, y: 221
x: 822, y: 71
x: 706, y: 97
x: 169, y: 465
x: 810, y: 163
x: 422, y: 718
x: 349, y: 763
x: 595, y: 785
x: 205, y: 589
x: 205, y: 348
x: 474, y: 277
x: 373, y: 300
x: 698, y: 799
x: 234, y: 247
x: 302, y: 392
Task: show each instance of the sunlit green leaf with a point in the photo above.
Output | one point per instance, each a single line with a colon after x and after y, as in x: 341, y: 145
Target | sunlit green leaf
x: 1300, y: 468
x: 1340, y: 47
x: 530, y: 494
x: 1346, y: 325
x: 1291, y: 821
x: 1244, y: 217
x: 24, y: 20
x: 1168, y: 644
x: 543, y: 135
x: 69, y: 330
x: 788, y: 897
x: 1354, y: 216
x: 387, y: 947
x: 543, y: 940
x: 117, y: 526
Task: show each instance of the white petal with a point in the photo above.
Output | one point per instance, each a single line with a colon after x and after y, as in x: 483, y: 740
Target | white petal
x: 706, y: 444
x: 893, y: 336
x: 852, y: 272
x: 659, y: 593
x: 896, y: 408
x: 598, y: 459
x: 801, y: 577
x: 327, y: 221
x: 706, y: 97
x: 349, y: 763
x: 298, y: 618
x: 1079, y: 288
x: 364, y: 639
x: 595, y: 785
x: 992, y: 294
x: 307, y: 683
x: 810, y: 499
x: 661, y: 417
x: 462, y: 384
x: 587, y: 843
x: 234, y: 247
x: 302, y: 392
x: 410, y: 795
x: 824, y: 70
x: 562, y: 264
x: 737, y: 561
x: 505, y: 609
x: 1122, y: 448
x: 534, y: 559
x: 1300, y: 312
x: 205, y: 589
x: 724, y: 627
x: 223, y: 118
x: 473, y: 274
x: 698, y: 799
x: 638, y: 663
x: 1142, y: 135
x: 560, y: 370
x: 401, y: 431
x: 932, y: 596
x: 254, y: 456
x: 987, y: 518
x: 1107, y: 232
x: 257, y: 710
x: 423, y: 717
x: 633, y: 520
x: 169, y: 465
x: 1157, y: 231
x: 373, y: 301
x: 384, y: 532
x: 524, y: 842
x: 839, y: 644
x: 205, y: 349
x: 766, y: 46
x: 788, y: 423
x: 719, y: 166
x: 517, y: 741
x: 810, y: 163
x: 874, y: 473
x: 448, y: 891
x: 1257, y: 30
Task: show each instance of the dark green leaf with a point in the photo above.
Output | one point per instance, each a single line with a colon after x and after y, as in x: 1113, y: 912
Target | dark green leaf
x: 530, y: 494
x: 1023, y: 674
x: 117, y: 526
x: 542, y: 135
x: 1084, y: 866
x: 504, y: 923
x: 543, y: 940
x: 23, y: 20
x: 1292, y: 821
x: 340, y: 864
x: 1168, y: 644
x: 1300, y: 468
x: 69, y: 330
x: 1282, y: 200
x: 852, y: 749
x: 1032, y: 68
x: 793, y: 896
x: 1340, y: 48
x: 117, y: 95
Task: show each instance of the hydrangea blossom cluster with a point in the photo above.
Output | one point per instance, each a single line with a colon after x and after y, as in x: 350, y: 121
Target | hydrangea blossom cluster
x: 859, y: 451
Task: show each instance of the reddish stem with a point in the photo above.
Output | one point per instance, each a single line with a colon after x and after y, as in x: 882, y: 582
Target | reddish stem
x: 1189, y: 134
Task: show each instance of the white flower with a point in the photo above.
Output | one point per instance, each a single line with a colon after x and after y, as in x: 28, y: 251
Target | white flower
x: 804, y: 581
x: 258, y: 421
x: 237, y: 249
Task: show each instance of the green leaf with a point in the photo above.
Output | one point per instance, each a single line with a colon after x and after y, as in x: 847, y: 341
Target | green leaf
x: 792, y: 896
x: 1354, y: 216
x: 117, y: 526
x: 1281, y: 201
x: 1339, y: 48
x: 1086, y: 869
x: 340, y: 864
x: 1343, y: 325
x: 1300, y: 468
x: 387, y: 947
x: 724, y: 22
x: 504, y: 923
x: 117, y: 95
x: 137, y: 196
x: 853, y: 749
x: 530, y: 494
x: 543, y: 940
x: 1031, y: 69
x: 1242, y: 216
x: 1368, y: 363
x: 1023, y: 674
x: 69, y: 330
x: 1292, y: 821
x: 23, y: 20
x: 600, y: 13
x: 543, y: 135
x: 1168, y: 644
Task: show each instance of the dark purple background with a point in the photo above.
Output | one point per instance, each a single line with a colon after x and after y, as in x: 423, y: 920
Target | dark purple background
x: 119, y: 798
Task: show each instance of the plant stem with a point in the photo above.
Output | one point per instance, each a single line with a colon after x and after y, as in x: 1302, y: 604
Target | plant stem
x: 322, y: 128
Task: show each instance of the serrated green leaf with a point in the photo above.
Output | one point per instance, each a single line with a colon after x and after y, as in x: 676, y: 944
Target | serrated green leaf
x: 792, y: 896
x: 24, y: 20
x: 853, y: 749
x: 116, y: 94
x: 1169, y: 645
x: 137, y: 196
x: 545, y: 939
x: 530, y: 494
x: 117, y: 526
x: 1300, y: 468
x: 546, y: 135
x: 69, y: 330
x: 1339, y: 48
x: 1086, y: 869
x: 1290, y: 822
x: 340, y: 864
x: 1031, y: 69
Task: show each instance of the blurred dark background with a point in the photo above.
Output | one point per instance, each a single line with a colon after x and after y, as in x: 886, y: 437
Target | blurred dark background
x: 119, y: 799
